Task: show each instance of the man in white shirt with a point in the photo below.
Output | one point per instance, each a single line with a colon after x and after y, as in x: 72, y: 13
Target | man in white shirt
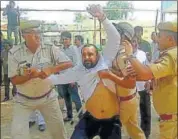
x: 102, y: 107
x: 145, y: 104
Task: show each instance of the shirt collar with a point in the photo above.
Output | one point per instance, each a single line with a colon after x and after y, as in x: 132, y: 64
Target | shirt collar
x: 37, y: 51
x: 66, y: 47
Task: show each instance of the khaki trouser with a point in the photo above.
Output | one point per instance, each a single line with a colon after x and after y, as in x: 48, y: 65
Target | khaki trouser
x: 48, y: 106
x: 168, y: 129
x: 128, y: 116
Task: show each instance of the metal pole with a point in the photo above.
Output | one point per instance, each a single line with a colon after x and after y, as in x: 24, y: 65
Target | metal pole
x: 94, y: 34
x: 70, y: 10
x: 156, y: 20
x: 100, y: 33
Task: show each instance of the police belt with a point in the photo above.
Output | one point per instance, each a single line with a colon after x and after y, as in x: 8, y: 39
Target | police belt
x: 127, y: 98
x: 34, y: 98
x: 166, y: 117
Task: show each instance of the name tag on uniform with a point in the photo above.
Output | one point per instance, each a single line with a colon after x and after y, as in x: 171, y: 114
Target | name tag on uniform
x: 43, y: 63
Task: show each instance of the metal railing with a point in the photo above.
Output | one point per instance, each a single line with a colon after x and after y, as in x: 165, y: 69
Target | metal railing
x: 157, y: 12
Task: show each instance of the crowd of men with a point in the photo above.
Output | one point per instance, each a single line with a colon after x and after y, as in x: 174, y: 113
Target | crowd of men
x: 110, y: 81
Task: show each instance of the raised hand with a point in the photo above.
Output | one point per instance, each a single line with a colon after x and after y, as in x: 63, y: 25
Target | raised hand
x: 96, y: 11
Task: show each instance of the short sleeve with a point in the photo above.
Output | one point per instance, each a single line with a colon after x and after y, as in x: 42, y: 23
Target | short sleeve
x: 163, y: 67
x: 13, y: 66
x: 59, y: 56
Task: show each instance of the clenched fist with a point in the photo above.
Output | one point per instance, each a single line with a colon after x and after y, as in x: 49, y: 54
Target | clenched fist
x: 96, y: 11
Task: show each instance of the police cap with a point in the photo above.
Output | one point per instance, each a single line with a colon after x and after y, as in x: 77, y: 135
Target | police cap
x: 168, y: 26
x: 125, y: 28
x: 29, y: 24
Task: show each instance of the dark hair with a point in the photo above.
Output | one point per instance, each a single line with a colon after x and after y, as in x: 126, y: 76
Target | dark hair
x: 12, y: 2
x: 66, y: 34
x: 154, y: 32
x: 90, y: 45
x: 138, y: 28
x: 80, y: 38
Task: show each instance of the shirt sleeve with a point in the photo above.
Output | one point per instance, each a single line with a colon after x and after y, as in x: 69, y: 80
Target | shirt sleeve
x: 13, y: 66
x: 68, y: 76
x: 59, y: 56
x: 162, y: 68
x: 113, y: 43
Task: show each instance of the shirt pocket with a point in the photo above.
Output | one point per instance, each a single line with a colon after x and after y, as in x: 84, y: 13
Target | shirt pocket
x: 43, y: 63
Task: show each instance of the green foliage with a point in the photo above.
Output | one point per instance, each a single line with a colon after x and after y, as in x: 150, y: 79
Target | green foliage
x: 79, y: 17
x: 118, y: 14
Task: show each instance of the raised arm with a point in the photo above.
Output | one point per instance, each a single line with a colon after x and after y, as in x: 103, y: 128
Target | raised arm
x: 113, y: 43
x: 112, y: 46
x: 5, y: 11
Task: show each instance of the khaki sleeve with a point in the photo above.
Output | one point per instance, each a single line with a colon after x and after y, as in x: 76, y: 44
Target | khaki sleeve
x: 13, y: 66
x: 163, y: 67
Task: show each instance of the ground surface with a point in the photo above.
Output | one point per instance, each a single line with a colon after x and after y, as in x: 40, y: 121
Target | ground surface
x: 6, y: 119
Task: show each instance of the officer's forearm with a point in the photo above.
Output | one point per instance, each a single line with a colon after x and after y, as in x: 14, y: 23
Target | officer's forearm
x: 17, y: 80
x: 126, y: 83
x: 143, y: 72
x: 61, y: 66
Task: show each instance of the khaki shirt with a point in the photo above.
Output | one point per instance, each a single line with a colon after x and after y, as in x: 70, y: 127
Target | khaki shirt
x: 165, y: 82
x: 119, y: 64
x: 44, y: 57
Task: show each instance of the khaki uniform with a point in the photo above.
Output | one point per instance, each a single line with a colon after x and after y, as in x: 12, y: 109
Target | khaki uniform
x: 128, y: 102
x: 165, y: 92
x: 164, y: 70
x: 29, y: 97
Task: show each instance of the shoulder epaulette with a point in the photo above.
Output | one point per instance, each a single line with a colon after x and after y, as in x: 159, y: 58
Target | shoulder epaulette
x: 15, y: 48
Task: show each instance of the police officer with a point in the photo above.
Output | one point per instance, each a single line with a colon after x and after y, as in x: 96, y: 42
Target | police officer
x: 163, y: 73
x: 29, y: 63
x: 127, y: 97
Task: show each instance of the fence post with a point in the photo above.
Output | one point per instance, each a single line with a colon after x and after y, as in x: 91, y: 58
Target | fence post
x: 156, y: 20
x: 94, y: 35
x: 100, y: 33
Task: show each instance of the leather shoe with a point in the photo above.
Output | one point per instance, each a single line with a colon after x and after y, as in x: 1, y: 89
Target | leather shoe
x: 67, y: 119
x: 42, y: 127
x: 5, y: 99
x: 31, y: 124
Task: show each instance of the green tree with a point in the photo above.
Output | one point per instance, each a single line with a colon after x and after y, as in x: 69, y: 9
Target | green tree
x: 79, y: 17
x: 118, y: 14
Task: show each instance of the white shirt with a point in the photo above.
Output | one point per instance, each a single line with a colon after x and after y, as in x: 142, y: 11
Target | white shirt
x: 88, y: 78
x: 72, y: 53
x: 141, y: 56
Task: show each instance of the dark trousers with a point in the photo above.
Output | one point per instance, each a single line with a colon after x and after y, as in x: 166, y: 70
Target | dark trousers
x: 145, y: 111
x: 89, y: 127
x: 70, y: 93
x: 7, y: 85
